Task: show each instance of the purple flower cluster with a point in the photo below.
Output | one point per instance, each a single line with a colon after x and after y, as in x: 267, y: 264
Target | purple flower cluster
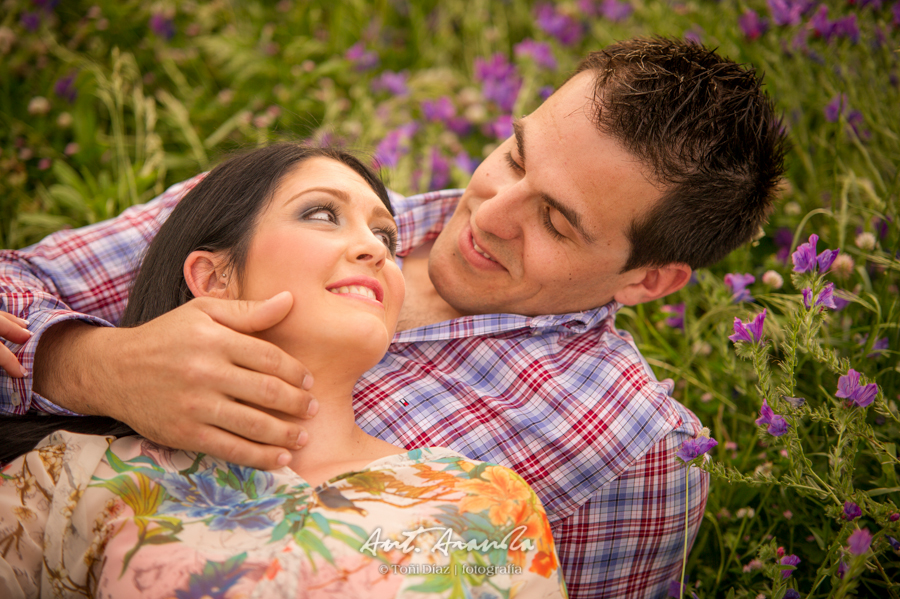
x: 849, y: 388
x: 676, y: 321
x: 162, y: 26
x: 738, y: 283
x: 560, y: 25
x: 789, y: 560
x: 65, y: 87
x: 805, y: 259
x: 838, y: 106
x: 828, y: 29
x: 787, y: 12
x: 440, y: 170
x: 825, y: 298
x: 501, y: 127
x: 776, y: 423
x: 466, y: 163
x: 438, y: 111
x: 540, y: 52
x: 499, y: 80
x: 752, y: 25
x: 391, y: 82
x: 851, y: 511
x: 615, y: 11
x: 363, y: 59
x: 693, y: 448
x: 750, y: 332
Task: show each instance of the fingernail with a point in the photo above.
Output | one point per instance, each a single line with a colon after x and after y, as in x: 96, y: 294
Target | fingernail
x: 313, y: 408
x: 284, y: 459
x: 302, y: 438
x: 307, y: 382
x: 21, y: 321
x: 24, y: 371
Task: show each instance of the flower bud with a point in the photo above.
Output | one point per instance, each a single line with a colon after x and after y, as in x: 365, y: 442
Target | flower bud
x: 773, y: 279
x: 39, y: 105
x: 843, y: 266
x: 64, y: 120
x: 865, y: 241
x: 792, y: 209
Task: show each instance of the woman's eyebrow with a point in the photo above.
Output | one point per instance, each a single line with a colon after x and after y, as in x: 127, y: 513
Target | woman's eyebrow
x: 344, y: 197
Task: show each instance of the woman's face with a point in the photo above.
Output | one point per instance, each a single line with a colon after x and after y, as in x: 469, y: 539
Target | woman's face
x: 328, y: 239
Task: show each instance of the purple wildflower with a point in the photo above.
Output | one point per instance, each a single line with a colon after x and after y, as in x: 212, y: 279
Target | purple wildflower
x: 440, y: 110
x: 162, y: 26
x: 693, y: 448
x: 30, y: 20
x: 836, y: 107
x: 859, y: 541
x: 65, y: 88
x: 615, y: 11
x: 440, y: 170
x: 775, y: 423
x: 546, y: 91
x: 791, y: 594
x: 826, y: 259
x: 785, y: 12
x: 820, y: 23
x: 459, y: 125
x: 540, y: 52
x: 500, y: 82
x: 752, y: 25
x: 501, y: 128
x: 678, y: 590
x: 737, y: 283
x: 391, y: 82
x: 895, y: 9
x: 466, y: 163
x: 881, y: 226
x: 804, y: 257
x: 878, y: 348
x: 783, y: 238
x: 849, y: 388
x: 789, y: 560
x: 694, y: 34
x: 676, y: 321
x: 842, y: 569
x: 561, y: 26
x: 363, y: 59
x: 895, y: 544
x: 750, y: 332
x: 847, y: 27
x: 840, y: 302
x: 394, y: 145
x: 851, y: 511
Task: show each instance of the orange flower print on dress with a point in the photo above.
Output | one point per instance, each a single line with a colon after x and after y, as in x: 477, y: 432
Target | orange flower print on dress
x: 500, y: 491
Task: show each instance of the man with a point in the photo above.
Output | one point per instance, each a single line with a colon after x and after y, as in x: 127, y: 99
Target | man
x: 655, y: 158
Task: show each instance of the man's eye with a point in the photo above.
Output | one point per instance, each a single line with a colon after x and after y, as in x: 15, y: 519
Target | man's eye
x: 513, y: 164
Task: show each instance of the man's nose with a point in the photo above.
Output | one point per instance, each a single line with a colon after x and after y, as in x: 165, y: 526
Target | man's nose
x: 502, y: 214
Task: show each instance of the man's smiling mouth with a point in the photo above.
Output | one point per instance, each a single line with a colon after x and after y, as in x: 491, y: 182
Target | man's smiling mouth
x: 481, y: 251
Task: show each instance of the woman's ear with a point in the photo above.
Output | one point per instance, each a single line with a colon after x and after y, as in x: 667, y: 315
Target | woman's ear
x: 206, y: 275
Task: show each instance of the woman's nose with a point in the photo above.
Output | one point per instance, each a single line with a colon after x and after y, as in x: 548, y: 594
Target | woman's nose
x: 369, y: 249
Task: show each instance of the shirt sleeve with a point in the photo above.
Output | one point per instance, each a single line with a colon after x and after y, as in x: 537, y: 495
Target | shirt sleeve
x: 628, y: 539
x: 77, y: 274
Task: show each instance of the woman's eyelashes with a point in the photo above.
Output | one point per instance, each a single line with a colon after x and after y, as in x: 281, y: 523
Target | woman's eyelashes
x: 331, y: 213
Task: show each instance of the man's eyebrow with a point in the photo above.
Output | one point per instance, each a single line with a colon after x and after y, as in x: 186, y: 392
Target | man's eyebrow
x: 344, y: 197
x: 519, y: 131
x: 570, y: 215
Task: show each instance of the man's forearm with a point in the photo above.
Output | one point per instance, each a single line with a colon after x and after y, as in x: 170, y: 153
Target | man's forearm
x: 69, y: 369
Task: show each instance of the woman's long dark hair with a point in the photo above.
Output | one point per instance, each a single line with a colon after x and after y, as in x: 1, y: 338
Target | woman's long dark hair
x: 218, y: 215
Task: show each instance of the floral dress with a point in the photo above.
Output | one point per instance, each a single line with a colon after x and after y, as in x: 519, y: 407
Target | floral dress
x: 86, y: 515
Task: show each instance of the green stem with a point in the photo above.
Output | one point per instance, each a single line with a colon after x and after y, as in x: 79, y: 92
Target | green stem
x: 687, y: 509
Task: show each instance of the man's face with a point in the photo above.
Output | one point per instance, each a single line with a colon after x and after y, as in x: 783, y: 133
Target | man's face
x: 541, y: 228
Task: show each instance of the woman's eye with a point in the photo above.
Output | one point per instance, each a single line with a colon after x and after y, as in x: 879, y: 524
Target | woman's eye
x: 388, y: 238
x: 321, y: 213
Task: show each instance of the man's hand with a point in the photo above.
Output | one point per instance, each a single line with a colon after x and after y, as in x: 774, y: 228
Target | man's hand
x: 193, y: 378
x: 12, y: 329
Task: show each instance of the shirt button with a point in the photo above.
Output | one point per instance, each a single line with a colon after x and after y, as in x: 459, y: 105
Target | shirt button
x: 16, y: 400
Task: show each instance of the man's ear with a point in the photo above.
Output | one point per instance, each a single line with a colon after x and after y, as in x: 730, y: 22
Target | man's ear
x: 656, y: 283
x: 206, y: 275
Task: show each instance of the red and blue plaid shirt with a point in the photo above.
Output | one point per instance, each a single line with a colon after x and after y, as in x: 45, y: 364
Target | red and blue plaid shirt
x: 565, y: 400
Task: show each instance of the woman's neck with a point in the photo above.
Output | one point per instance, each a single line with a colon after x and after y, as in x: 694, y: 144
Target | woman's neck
x: 336, y: 443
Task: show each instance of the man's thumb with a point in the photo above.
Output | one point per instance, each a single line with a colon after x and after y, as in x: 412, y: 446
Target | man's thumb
x: 251, y: 316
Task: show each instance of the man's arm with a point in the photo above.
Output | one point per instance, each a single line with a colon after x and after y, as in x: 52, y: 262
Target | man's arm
x: 627, y: 540
x: 190, y: 379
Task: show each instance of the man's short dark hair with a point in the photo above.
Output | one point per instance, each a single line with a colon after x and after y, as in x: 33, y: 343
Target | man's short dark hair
x: 707, y: 133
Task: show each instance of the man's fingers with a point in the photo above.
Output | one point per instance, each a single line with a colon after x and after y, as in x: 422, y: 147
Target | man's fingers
x: 19, y: 321
x: 237, y: 450
x: 251, y: 424
x: 10, y: 364
x: 247, y: 316
x: 267, y: 391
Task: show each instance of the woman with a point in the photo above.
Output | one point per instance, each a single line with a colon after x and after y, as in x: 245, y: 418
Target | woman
x: 92, y: 515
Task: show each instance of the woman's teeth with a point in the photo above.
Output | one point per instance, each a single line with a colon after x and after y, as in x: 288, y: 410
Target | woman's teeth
x: 356, y: 289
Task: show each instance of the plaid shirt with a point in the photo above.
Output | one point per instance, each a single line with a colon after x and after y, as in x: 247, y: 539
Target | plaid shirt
x: 565, y: 400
